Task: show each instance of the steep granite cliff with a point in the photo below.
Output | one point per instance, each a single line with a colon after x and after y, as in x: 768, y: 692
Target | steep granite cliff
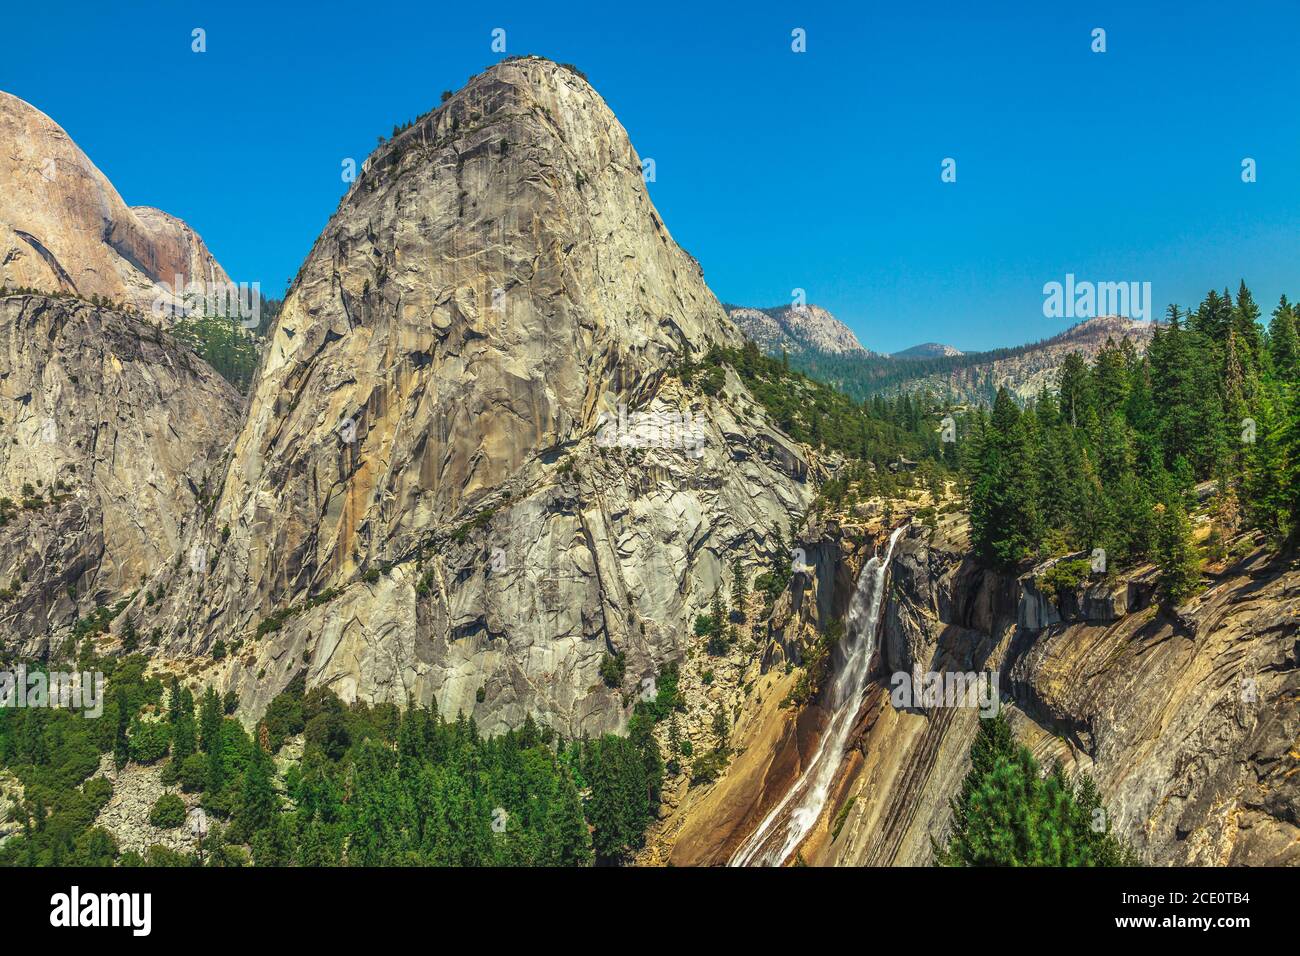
x: 467, y: 474
x: 1187, y: 721
x: 109, y: 429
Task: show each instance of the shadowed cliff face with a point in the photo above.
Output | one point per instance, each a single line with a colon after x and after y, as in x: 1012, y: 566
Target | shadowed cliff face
x: 425, y: 445
x: 1188, y: 722
x: 64, y: 228
x: 113, y: 426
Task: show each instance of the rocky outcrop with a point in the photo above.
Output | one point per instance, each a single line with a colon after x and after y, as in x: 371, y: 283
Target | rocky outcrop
x: 1188, y: 722
x: 11, y: 797
x: 926, y: 350
x: 109, y: 428
x: 136, y: 788
x: 467, y: 473
x: 771, y: 741
x: 797, y: 329
x: 64, y: 228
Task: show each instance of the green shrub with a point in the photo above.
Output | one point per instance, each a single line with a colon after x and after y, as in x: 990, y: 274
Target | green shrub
x: 159, y: 856
x: 328, y: 731
x: 709, y: 766
x: 95, y: 847
x: 1064, y: 577
x: 841, y: 817
x: 816, y: 667
x: 612, y: 669
x: 98, y: 791
x: 168, y: 812
x: 149, y: 740
x: 284, y: 716
x: 193, y: 774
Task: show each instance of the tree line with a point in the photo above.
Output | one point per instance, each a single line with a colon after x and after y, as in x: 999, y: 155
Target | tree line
x: 1111, y: 459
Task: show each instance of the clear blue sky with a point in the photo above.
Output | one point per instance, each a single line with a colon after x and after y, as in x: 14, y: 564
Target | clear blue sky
x: 777, y: 170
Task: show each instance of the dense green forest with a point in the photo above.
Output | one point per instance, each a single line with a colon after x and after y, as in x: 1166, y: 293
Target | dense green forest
x: 377, y: 785
x: 1111, y: 459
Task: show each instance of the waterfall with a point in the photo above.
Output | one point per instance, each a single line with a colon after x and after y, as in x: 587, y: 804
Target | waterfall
x: 790, y: 820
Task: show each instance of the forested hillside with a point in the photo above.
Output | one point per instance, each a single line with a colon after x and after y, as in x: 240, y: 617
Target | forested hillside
x: 1112, y: 458
x: 367, y: 785
x: 821, y: 415
x: 972, y: 377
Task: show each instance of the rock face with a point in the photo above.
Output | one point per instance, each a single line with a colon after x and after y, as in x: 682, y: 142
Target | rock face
x: 771, y: 743
x: 797, y: 329
x: 464, y: 475
x: 136, y: 788
x: 1187, y: 723
x: 11, y: 795
x: 109, y: 428
x: 64, y: 228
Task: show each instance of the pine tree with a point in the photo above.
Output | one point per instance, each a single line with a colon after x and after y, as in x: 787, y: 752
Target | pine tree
x: 1245, y: 326
x: 1175, y: 554
x: 739, y: 591
x: 130, y: 636
x: 210, y: 721
x: 183, y: 732
x: 1008, y: 813
x: 717, y: 643
x: 1272, y: 479
x: 1076, y: 396
x: 258, y: 803
x: 174, y: 699
x: 618, y: 808
x: 1003, y: 507
x: 1283, y: 347
x: 210, y: 739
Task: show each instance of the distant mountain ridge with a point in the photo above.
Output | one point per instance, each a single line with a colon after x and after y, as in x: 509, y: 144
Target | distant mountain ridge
x: 974, y: 376
x: 927, y: 350
x: 796, y: 330
x: 64, y: 228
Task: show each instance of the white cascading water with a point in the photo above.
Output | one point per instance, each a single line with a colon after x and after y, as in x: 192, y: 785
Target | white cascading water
x: 790, y: 820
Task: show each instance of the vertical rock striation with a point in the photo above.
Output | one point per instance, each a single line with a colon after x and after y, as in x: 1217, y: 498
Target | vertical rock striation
x: 110, y: 429
x: 433, y: 495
